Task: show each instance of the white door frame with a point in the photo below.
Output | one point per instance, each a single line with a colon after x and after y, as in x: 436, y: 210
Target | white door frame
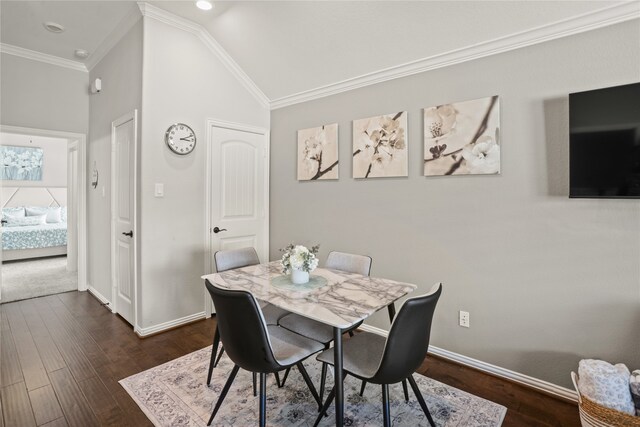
x: 208, y: 305
x: 132, y: 115
x: 81, y: 138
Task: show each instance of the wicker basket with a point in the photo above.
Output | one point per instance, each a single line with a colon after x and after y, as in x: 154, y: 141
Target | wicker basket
x: 594, y: 415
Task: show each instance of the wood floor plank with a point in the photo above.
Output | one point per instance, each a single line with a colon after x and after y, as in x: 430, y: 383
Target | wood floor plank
x: 10, y: 370
x: 74, y: 405
x: 100, y: 400
x: 17, y: 406
x: 1, y: 415
x: 68, y: 347
x: 45, y: 405
x: 60, y: 422
x: 35, y: 375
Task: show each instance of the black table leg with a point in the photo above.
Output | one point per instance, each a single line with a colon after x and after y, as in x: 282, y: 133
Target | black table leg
x: 339, y: 386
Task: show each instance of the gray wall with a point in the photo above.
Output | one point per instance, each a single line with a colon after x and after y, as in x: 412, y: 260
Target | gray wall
x: 121, y: 74
x: 547, y: 280
x: 182, y: 82
x: 43, y: 96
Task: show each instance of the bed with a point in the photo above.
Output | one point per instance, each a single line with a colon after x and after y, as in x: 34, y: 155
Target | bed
x: 23, y: 236
x: 34, y: 241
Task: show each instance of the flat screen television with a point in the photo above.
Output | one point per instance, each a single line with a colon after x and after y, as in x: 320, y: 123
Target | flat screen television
x: 604, y: 150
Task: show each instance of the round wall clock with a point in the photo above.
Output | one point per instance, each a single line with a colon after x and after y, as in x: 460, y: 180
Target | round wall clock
x: 180, y: 138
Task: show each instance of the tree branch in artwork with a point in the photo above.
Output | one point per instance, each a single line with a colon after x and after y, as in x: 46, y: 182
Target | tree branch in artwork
x: 313, y: 153
x: 321, y: 172
x: 481, y: 129
x: 385, y: 139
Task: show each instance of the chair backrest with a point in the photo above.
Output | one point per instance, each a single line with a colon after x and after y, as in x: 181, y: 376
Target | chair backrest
x: 359, y: 264
x: 243, y: 330
x: 235, y: 258
x: 408, y: 339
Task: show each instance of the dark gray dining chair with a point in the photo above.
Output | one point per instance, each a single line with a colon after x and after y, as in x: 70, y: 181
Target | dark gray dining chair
x: 322, y: 332
x: 228, y: 260
x: 372, y: 358
x: 253, y: 345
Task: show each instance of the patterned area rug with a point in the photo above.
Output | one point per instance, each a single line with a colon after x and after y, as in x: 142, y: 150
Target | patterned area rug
x: 175, y: 394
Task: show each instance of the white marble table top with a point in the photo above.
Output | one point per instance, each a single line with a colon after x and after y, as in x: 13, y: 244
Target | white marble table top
x: 345, y: 300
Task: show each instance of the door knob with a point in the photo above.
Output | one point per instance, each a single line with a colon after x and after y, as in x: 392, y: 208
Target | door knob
x: 130, y: 234
x: 217, y: 230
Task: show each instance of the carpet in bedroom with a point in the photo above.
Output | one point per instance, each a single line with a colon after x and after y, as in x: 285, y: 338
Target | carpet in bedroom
x: 35, y: 278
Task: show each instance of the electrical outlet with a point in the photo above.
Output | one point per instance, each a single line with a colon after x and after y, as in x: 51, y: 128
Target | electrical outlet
x: 464, y: 318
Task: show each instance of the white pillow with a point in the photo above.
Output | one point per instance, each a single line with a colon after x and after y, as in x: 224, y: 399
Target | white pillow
x: 13, y: 212
x: 606, y: 384
x: 25, y: 221
x: 53, y: 214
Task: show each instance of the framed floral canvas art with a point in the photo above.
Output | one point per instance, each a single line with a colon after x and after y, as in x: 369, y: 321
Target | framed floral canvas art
x: 21, y: 163
x: 462, y: 138
x: 318, y: 153
x: 380, y: 146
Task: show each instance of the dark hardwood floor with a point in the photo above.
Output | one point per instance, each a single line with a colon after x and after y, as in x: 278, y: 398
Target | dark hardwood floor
x: 62, y: 356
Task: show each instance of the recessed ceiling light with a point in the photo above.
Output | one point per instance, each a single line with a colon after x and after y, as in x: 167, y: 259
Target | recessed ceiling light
x: 204, y: 5
x: 81, y: 53
x: 53, y: 27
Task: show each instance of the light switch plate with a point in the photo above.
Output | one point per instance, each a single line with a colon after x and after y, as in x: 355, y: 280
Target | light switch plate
x: 159, y: 190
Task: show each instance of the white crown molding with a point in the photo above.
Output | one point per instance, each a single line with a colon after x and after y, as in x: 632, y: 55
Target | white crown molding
x: 113, y: 38
x: 211, y: 43
x: 578, y: 24
x: 42, y: 57
x: 544, y: 386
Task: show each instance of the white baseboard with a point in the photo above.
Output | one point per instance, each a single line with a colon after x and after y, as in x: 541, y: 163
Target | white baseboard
x: 99, y: 296
x: 498, y: 371
x: 143, y: 332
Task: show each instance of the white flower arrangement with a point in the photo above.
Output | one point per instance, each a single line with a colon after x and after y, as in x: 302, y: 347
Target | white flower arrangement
x: 299, y: 257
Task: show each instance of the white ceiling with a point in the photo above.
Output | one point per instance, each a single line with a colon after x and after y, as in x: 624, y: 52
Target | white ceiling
x: 287, y: 47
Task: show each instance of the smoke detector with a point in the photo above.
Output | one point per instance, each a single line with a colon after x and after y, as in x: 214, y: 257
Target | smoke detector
x: 53, y: 27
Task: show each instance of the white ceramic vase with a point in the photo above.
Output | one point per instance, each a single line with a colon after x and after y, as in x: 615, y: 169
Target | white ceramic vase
x: 299, y: 277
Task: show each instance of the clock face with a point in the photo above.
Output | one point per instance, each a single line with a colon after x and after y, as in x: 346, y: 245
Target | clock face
x: 180, y: 138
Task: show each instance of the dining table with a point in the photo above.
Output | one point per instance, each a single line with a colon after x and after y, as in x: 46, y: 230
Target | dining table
x: 333, y: 297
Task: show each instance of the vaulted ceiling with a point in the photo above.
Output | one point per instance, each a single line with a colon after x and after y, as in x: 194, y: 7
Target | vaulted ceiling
x: 287, y: 47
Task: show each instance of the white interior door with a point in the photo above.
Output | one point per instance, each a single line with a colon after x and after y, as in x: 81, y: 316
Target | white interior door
x: 123, y: 201
x: 239, y: 190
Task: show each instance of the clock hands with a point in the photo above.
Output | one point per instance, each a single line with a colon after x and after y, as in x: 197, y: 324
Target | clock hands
x: 189, y: 138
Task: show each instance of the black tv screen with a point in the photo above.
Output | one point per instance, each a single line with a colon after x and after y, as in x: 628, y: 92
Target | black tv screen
x: 604, y: 158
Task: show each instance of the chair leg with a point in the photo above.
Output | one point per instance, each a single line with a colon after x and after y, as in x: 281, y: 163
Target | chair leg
x: 219, y: 356
x: 323, y: 410
x: 214, y: 350
x: 275, y: 374
x: 225, y: 390
x: 307, y: 380
x: 323, y: 380
x: 364, y: 384
x: 385, y: 405
x: 406, y: 392
x: 286, y: 375
x: 423, y: 404
x: 255, y: 388
x: 263, y: 399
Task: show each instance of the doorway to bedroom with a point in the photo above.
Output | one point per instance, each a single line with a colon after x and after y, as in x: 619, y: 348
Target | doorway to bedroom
x: 39, y: 196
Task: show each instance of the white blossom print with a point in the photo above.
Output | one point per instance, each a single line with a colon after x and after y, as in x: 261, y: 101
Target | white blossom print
x: 380, y: 146
x: 21, y: 163
x: 462, y: 138
x: 318, y: 153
